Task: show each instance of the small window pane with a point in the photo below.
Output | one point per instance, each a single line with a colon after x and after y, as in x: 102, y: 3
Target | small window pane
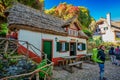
x: 79, y: 46
x: 63, y: 46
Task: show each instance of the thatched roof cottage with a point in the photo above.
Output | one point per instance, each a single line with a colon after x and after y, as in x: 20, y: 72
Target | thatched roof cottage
x: 52, y: 35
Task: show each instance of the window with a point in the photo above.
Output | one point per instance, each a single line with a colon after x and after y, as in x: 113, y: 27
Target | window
x: 62, y: 46
x: 76, y: 33
x: 105, y: 28
x: 81, y: 46
x: 117, y: 36
x: 72, y: 32
x: 98, y: 30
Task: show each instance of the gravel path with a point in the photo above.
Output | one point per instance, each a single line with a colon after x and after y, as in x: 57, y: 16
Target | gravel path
x: 89, y: 72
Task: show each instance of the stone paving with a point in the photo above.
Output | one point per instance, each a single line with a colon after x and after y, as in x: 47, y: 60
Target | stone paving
x: 89, y: 72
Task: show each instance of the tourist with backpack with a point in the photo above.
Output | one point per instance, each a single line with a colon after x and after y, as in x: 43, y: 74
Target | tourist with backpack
x: 112, y: 55
x: 98, y: 56
x: 95, y: 54
x: 101, y: 57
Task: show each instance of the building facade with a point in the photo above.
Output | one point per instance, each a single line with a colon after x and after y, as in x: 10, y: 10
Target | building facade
x: 108, y: 30
x: 53, y: 36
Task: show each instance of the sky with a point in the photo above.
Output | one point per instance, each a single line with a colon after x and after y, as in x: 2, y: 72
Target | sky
x: 97, y: 8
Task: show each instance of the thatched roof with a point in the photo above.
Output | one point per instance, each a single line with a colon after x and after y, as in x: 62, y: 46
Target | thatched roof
x: 101, y: 21
x: 82, y: 35
x: 68, y: 22
x: 73, y: 20
x: 22, y: 15
x: 115, y: 26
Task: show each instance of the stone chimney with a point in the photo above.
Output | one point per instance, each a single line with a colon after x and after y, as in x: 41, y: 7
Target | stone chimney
x: 108, y: 19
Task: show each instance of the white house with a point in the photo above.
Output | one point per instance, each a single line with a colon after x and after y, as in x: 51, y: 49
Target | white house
x: 107, y: 29
x: 53, y: 36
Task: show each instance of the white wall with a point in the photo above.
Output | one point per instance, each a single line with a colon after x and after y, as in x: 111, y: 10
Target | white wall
x: 85, y: 51
x: 60, y: 38
x: 32, y: 37
x: 109, y: 36
x: 35, y: 38
x: 101, y: 26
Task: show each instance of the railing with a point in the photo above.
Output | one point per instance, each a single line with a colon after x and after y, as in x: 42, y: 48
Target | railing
x: 7, y: 41
x: 4, y: 43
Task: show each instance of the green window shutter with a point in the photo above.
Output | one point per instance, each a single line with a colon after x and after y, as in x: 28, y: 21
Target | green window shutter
x: 104, y: 28
x: 83, y: 46
x: 66, y: 46
x: 58, y: 46
x: 74, y: 47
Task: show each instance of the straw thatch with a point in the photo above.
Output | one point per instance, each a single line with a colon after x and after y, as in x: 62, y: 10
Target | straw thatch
x: 82, y: 35
x: 22, y: 15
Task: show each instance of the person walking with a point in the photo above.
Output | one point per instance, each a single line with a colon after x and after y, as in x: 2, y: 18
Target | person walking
x: 112, y: 55
x: 117, y: 54
x: 101, y: 56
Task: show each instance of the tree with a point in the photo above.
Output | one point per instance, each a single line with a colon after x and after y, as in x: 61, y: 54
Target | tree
x: 51, y: 11
x: 67, y: 11
x: 4, y: 4
x: 63, y: 10
x: 84, y: 16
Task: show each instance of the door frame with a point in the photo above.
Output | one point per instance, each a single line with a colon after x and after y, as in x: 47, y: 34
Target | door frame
x: 51, y: 45
x: 75, y: 49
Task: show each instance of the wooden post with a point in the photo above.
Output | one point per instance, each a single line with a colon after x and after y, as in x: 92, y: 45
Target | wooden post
x: 6, y: 47
x: 27, y: 49
x: 37, y: 76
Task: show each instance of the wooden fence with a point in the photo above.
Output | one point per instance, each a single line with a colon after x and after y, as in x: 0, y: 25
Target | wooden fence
x: 5, y: 45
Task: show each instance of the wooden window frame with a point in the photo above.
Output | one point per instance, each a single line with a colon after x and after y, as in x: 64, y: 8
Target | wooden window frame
x: 60, y: 44
x: 82, y: 46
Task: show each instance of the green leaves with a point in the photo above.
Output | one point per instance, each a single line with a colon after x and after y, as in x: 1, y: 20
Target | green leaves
x: 84, y: 16
x: 67, y: 11
x: 64, y: 11
x: 4, y: 29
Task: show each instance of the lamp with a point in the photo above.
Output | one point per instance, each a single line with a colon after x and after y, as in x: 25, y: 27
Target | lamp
x: 77, y: 40
x: 56, y: 38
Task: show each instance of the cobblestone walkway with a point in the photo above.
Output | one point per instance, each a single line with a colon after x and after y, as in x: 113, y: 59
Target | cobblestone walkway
x: 89, y: 72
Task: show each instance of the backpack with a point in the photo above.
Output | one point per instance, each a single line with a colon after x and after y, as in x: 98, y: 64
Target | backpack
x: 95, y: 57
x: 111, y: 52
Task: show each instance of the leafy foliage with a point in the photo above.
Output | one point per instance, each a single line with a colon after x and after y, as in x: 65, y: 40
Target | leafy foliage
x: 4, y: 4
x: 63, y: 10
x: 87, y: 32
x: 92, y: 26
x: 51, y: 11
x: 67, y: 11
x: 3, y: 29
x: 84, y: 16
